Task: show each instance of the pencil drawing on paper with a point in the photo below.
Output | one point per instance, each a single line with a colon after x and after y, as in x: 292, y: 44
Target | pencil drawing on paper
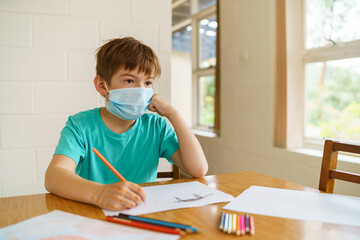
x: 197, y: 197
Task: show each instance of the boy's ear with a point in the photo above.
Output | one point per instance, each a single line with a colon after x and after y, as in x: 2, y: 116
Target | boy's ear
x: 100, y: 86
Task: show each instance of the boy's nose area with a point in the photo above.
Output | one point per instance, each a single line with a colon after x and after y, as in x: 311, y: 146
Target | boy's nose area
x: 140, y: 84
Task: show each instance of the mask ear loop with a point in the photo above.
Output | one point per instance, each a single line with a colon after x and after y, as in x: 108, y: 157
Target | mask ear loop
x: 106, y: 90
x: 106, y: 87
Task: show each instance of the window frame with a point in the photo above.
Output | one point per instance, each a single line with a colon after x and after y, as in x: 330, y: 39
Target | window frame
x: 197, y: 72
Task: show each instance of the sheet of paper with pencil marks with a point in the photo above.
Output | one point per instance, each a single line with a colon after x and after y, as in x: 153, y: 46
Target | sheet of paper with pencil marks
x: 174, y: 196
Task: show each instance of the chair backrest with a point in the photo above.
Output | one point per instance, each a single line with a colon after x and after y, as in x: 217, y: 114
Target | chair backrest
x: 328, y: 167
x: 175, y: 173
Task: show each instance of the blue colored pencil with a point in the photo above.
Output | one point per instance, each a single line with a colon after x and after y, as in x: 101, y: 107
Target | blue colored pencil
x: 222, y: 221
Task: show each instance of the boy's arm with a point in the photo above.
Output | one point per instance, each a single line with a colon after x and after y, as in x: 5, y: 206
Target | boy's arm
x: 190, y: 156
x: 60, y: 179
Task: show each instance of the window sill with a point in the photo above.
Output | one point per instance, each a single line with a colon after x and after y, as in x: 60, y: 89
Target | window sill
x: 319, y: 153
x: 203, y: 133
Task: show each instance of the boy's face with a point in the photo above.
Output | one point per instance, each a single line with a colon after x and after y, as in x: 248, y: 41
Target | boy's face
x: 130, y: 79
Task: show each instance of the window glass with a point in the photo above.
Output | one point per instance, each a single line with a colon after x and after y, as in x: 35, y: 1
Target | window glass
x: 181, y: 39
x: 207, y: 42
x: 331, y: 22
x: 181, y: 12
x: 206, y: 100
x: 203, y: 4
x: 333, y: 99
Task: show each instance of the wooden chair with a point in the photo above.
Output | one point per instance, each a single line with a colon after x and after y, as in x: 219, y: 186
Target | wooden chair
x: 175, y: 173
x: 328, y: 167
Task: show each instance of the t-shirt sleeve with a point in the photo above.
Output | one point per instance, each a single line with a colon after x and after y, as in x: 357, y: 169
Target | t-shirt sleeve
x: 71, y: 142
x: 169, y: 143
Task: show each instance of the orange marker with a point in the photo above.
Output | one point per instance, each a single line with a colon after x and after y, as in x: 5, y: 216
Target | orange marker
x: 102, y: 158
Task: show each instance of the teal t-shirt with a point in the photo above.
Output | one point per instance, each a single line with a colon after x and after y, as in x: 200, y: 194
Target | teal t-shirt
x: 134, y: 153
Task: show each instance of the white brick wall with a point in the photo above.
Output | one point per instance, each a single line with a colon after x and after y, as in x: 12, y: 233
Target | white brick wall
x: 15, y: 29
x: 47, y: 66
x: 32, y: 64
x: 64, y: 32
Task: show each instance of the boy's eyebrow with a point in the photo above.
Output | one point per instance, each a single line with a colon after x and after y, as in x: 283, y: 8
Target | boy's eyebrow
x: 131, y: 75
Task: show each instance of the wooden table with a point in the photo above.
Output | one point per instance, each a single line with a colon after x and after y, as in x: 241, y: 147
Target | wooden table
x: 16, y: 209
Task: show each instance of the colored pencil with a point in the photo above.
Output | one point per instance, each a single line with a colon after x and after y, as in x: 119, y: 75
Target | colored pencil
x: 252, y: 225
x: 226, y: 227
x: 144, y: 225
x: 158, y: 222
x: 234, y: 223
x: 221, y: 226
x: 247, y: 223
x: 242, y: 224
x: 230, y: 223
x: 106, y: 162
x: 238, y: 231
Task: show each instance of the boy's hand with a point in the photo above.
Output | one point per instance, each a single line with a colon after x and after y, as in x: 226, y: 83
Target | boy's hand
x: 119, y: 196
x: 161, y: 107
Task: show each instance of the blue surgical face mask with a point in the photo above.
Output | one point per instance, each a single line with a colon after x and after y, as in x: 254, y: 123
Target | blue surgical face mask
x: 129, y: 103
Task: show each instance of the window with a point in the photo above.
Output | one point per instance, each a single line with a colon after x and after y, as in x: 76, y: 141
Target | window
x: 206, y: 100
x: 318, y: 72
x: 207, y: 42
x: 332, y: 70
x: 194, y: 44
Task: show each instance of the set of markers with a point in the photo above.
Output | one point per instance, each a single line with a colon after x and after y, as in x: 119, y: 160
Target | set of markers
x: 237, y: 224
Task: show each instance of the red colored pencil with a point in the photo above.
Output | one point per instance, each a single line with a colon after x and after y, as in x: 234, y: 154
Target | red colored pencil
x: 144, y: 225
x: 102, y: 158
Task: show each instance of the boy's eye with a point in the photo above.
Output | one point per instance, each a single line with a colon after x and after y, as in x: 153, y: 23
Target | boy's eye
x: 148, y: 83
x: 129, y: 80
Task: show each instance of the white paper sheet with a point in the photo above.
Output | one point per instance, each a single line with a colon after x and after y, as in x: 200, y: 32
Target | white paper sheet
x: 174, y: 196
x: 62, y: 225
x: 328, y: 208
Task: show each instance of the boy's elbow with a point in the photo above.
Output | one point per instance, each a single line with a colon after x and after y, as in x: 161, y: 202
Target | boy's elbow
x: 47, y: 181
x: 201, y: 172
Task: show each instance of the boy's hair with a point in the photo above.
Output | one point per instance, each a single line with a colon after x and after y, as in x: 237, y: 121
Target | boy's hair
x: 127, y: 53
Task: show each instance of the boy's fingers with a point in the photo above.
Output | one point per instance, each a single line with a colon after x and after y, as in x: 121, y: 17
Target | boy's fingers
x: 120, y: 203
x: 127, y: 203
x: 151, y: 107
x: 138, y: 190
x: 132, y: 196
x: 131, y: 191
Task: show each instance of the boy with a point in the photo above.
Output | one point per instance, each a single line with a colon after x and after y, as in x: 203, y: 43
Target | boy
x: 131, y: 140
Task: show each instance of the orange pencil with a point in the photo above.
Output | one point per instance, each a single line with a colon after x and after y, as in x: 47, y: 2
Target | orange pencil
x: 102, y: 158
